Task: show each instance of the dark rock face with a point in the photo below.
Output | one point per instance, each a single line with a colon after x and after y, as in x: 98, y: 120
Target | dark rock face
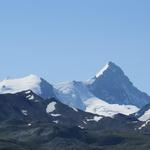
x: 46, y: 89
x: 28, y: 107
x: 114, y: 87
x: 22, y: 106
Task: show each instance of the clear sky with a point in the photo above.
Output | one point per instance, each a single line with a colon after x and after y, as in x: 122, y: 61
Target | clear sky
x: 72, y: 39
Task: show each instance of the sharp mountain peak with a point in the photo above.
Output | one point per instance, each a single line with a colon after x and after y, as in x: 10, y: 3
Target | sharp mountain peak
x: 111, y: 67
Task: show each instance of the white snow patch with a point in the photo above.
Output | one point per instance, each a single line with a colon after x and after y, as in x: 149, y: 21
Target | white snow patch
x: 81, y: 127
x: 28, y: 96
x: 51, y: 107
x: 56, y: 121
x: 145, y: 116
x: 90, y: 119
x: 25, y: 112
x: 28, y: 92
x: 55, y: 115
x: 29, y: 124
x: 134, y: 121
x: 84, y: 122
x: 96, y: 118
x: 144, y: 124
x: 74, y: 109
x: 31, y: 98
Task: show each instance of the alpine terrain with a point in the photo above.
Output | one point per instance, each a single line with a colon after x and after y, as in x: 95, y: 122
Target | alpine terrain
x: 106, y: 112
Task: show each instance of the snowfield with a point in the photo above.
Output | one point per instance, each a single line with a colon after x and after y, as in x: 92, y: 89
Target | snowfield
x: 31, y: 82
x: 100, y: 107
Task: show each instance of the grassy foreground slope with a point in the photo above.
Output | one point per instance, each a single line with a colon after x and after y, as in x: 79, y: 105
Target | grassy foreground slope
x: 49, y: 136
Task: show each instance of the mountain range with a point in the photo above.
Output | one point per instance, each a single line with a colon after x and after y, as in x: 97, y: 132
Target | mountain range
x: 109, y: 92
x: 107, y: 106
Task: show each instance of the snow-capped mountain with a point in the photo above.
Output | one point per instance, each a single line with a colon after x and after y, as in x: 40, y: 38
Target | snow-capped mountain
x: 31, y: 82
x: 108, y: 93
x: 113, y: 86
x: 76, y: 94
x: 97, y: 123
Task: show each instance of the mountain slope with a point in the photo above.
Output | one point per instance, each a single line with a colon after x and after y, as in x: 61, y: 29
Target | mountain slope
x: 72, y: 93
x: 26, y: 119
x: 108, y: 93
x: 113, y: 86
x: 25, y: 106
x: 28, y: 107
x: 76, y: 94
x: 144, y: 113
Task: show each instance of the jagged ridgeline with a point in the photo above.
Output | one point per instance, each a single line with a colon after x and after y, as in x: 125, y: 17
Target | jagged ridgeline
x: 103, y: 113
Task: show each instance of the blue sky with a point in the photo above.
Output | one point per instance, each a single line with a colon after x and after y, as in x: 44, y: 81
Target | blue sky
x: 72, y: 39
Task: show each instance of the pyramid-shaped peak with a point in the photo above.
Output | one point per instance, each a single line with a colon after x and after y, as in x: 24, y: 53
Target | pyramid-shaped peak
x: 109, y: 66
x: 113, y: 85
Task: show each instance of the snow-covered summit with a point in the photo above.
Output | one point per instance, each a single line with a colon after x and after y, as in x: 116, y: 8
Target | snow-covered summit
x: 31, y: 82
x: 108, y: 66
x: 21, y: 84
x: 109, y: 92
